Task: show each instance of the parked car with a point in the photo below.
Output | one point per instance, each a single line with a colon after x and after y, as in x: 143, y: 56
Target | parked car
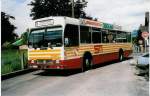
x: 143, y: 60
x: 143, y: 66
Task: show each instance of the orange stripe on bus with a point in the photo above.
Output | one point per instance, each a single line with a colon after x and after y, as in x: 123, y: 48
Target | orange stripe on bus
x: 44, y: 54
x: 45, y: 51
x: 56, y: 57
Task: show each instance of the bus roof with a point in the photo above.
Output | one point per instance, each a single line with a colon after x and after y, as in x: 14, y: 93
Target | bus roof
x: 62, y: 20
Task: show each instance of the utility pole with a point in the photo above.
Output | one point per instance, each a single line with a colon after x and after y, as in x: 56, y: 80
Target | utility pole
x: 72, y: 1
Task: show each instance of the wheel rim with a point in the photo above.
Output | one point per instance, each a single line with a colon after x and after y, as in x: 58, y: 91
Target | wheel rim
x: 87, y: 62
x: 121, y: 57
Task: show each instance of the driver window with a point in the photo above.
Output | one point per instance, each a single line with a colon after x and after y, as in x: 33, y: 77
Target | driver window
x: 71, y: 35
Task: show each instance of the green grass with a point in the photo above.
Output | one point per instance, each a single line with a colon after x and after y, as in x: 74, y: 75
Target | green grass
x: 11, y: 60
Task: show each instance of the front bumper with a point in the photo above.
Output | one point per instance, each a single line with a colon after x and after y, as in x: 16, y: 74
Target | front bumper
x: 52, y: 65
x: 45, y: 66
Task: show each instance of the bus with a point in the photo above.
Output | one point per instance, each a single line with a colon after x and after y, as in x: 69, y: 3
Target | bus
x: 68, y: 43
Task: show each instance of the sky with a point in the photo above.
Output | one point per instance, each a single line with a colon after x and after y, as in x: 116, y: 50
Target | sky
x: 127, y: 13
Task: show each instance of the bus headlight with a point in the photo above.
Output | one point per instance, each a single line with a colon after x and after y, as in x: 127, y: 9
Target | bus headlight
x: 57, y: 61
x: 32, y: 61
x: 44, y: 61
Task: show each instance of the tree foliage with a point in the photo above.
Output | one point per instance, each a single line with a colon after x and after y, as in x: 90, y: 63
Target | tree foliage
x: 7, y: 31
x: 46, y: 8
x: 24, y: 36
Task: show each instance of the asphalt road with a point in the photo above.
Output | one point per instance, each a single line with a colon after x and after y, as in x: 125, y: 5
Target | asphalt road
x: 116, y: 79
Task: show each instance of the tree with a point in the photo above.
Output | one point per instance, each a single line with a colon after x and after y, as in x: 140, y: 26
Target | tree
x: 7, y: 28
x: 24, y: 36
x: 46, y: 8
x: 23, y: 40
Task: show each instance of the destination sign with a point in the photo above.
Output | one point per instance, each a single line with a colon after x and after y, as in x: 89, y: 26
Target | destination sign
x: 47, y: 22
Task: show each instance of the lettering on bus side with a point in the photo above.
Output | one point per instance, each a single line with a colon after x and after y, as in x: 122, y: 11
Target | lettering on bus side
x: 91, y: 23
x: 98, y: 48
x: 107, y: 26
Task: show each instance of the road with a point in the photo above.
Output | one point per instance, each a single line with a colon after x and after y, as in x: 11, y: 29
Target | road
x: 116, y: 79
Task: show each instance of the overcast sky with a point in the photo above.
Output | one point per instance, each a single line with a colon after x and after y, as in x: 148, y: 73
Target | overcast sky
x: 127, y: 13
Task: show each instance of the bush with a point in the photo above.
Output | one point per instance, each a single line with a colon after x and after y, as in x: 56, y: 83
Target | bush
x: 11, y: 60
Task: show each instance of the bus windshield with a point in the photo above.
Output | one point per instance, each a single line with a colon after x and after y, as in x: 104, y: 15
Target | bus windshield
x: 48, y: 37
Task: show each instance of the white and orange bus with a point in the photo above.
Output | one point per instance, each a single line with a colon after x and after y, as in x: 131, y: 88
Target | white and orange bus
x: 69, y: 43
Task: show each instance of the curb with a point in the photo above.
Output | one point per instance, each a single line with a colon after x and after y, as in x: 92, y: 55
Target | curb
x: 16, y: 73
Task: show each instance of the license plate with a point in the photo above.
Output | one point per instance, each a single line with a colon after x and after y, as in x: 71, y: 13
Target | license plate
x: 35, y: 66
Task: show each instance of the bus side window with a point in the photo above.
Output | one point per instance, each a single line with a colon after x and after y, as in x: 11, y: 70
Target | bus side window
x: 85, y: 34
x: 112, y: 36
x: 71, y: 35
x: 121, y: 37
x: 96, y: 35
x: 128, y: 37
x: 104, y: 37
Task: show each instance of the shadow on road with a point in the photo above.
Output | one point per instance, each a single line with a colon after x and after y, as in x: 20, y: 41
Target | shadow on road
x: 58, y: 72
x: 109, y: 63
x: 74, y: 71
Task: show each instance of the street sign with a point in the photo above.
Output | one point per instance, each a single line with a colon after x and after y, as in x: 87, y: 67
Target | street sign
x: 145, y: 34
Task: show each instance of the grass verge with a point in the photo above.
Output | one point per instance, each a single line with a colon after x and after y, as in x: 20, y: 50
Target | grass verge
x: 11, y: 60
